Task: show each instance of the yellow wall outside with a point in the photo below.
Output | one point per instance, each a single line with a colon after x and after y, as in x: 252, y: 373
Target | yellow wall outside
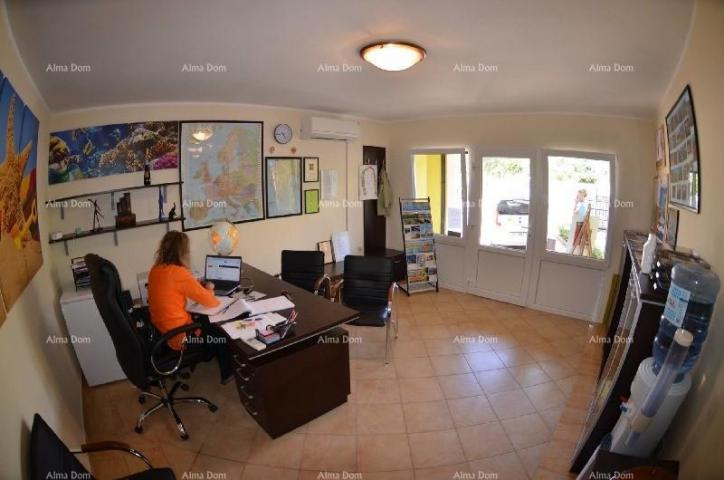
x: 428, y: 183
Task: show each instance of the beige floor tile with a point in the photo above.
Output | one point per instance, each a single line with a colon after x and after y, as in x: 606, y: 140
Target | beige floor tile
x: 409, y: 349
x: 557, y: 369
x: 551, y: 416
x: 531, y: 457
x: 526, y: 431
x: 283, y: 452
x: 449, y: 364
x: 377, y: 391
x: 495, y: 381
x: 511, y: 404
x: 442, y: 346
x: 471, y: 411
x: 342, y: 420
x: 229, y: 442
x: 557, y: 457
x: 445, y: 472
x: 483, y: 361
x: 545, y: 395
x: 567, y: 385
x: 474, y: 344
x: 333, y: 453
x: 483, y: 441
x: 527, y: 375
x: 414, y: 367
x: 382, y: 453
x: 214, y: 467
x: 396, y: 475
x: 427, y: 416
x: 362, y: 368
x: 260, y: 472
x: 513, y: 357
x: 420, y: 390
x: 428, y: 332
x: 384, y: 418
x: 434, y: 449
x: 568, y: 432
x: 458, y: 386
x: 502, y: 467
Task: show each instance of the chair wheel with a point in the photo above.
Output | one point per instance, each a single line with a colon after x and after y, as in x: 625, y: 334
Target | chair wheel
x: 213, y: 408
x: 141, y: 399
x: 184, y: 387
x: 138, y: 429
x: 184, y: 436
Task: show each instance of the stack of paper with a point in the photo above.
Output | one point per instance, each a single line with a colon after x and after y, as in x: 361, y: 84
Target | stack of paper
x: 246, y: 328
x: 241, y: 307
x: 193, y: 307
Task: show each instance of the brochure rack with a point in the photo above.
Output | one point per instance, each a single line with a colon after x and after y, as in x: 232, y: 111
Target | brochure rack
x: 419, y: 246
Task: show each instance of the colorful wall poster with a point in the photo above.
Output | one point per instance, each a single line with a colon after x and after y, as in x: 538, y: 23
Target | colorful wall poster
x: 20, y: 249
x: 93, y: 152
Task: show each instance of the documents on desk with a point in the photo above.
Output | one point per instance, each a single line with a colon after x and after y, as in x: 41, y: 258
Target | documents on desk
x: 224, y: 302
x: 241, y: 307
x: 245, y: 329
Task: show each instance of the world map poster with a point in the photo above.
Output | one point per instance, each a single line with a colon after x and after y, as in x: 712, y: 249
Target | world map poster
x: 221, y: 171
x: 103, y: 150
x: 20, y: 251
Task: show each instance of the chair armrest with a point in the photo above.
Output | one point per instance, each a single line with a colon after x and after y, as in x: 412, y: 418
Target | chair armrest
x: 391, y: 296
x: 111, y: 445
x: 165, y: 338
x: 321, y: 281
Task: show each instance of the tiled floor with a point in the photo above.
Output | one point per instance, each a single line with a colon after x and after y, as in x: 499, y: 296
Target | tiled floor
x: 475, y: 386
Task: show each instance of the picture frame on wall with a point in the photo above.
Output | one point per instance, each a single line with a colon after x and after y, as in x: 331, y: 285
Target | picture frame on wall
x: 311, y: 201
x: 311, y: 169
x: 283, y: 186
x: 221, y: 172
x: 672, y: 227
x: 660, y: 147
x: 684, y: 166
x: 326, y: 248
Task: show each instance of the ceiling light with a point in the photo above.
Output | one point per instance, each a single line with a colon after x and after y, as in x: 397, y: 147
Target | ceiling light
x: 393, y: 56
x: 202, y: 133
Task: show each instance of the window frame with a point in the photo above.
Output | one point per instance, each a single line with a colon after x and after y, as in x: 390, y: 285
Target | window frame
x: 464, y: 158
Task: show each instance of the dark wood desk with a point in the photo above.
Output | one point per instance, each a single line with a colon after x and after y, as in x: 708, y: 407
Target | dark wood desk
x: 303, y: 376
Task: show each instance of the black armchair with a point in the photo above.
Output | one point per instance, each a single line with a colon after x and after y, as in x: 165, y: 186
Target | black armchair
x: 147, y: 363
x: 51, y: 458
x: 305, y: 269
x: 368, y: 287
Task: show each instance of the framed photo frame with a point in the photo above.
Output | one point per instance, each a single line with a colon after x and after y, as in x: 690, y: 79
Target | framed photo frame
x: 283, y: 186
x: 660, y: 147
x: 311, y: 169
x: 672, y: 227
x: 684, y: 167
x: 311, y: 201
x: 221, y: 172
x: 326, y: 248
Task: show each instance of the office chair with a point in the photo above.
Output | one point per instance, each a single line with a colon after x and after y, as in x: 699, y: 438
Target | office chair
x: 368, y: 287
x: 146, y: 363
x: 51, y: 458
x: 305, y: 269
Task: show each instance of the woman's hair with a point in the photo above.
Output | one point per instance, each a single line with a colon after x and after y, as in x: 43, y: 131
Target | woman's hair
x: 173, y: 250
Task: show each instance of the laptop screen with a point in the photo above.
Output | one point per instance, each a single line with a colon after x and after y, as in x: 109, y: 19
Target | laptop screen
x: 223, y: 268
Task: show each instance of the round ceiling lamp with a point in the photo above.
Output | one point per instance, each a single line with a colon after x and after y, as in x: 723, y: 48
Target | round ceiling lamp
x: 393, y: 56
x: 202, y: 133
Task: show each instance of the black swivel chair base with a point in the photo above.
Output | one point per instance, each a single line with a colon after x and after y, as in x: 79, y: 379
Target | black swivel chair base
x: 168, y: 400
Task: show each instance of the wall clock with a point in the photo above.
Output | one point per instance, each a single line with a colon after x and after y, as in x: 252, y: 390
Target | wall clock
x: 283, y: 133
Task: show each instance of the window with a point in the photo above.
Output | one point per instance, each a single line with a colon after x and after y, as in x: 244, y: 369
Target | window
x: 505, y: 202
x: 440, y: 177
x: 579, y: 199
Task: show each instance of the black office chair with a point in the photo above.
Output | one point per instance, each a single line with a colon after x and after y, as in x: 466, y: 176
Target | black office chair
x: 146, y: 362
x: 368, y: 287
x: 51, y: 458
x: 305, y: 269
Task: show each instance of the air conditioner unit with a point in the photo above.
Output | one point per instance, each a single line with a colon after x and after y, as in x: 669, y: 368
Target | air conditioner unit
x: 329, y: 128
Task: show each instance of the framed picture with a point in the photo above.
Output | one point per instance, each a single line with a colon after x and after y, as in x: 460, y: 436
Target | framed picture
x: 367, y: 182
x: 684, y: 172
x: 662, y: 203
x: 311, y: 169
x: 311, y: 201
x: 221, y: 172
x: 672, y: 227
x: 660, y: 147
x: 283, y: 186
x: 326, y: 248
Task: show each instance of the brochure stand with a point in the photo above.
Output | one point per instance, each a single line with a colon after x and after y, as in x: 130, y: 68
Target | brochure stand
x: 419, y: 246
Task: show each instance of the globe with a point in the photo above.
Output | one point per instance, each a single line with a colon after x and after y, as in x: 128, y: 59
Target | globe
x: 223, y: 238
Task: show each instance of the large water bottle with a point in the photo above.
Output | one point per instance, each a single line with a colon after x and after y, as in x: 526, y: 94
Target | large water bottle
x: 689, y: 306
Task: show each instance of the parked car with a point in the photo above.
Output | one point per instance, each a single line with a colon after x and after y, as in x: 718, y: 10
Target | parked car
x: 511, y: 222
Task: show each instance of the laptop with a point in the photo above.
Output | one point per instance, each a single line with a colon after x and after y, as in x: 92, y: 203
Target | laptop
x: 224, y: 272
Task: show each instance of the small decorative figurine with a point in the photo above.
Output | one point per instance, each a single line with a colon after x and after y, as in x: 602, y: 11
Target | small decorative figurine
x: 172, y: 212
x: 97, y: 215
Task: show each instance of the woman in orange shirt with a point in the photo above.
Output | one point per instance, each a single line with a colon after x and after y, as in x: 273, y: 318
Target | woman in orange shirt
x: 170, y: 283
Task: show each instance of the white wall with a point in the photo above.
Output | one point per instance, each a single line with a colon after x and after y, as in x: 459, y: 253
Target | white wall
x: 695, y: 437
x: 261, y: 241
x: 34, y: 376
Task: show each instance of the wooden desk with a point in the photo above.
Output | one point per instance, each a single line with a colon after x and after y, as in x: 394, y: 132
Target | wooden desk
x: 303, y: 376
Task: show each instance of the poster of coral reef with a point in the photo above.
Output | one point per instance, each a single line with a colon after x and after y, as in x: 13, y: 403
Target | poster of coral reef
x: 20, y: 251
x: 93, y: 152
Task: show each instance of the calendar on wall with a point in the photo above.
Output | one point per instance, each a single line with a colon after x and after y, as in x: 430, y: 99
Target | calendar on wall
x: 419, y: 246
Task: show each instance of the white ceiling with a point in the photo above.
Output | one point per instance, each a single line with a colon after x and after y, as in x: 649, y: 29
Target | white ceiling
x: 272, y: 50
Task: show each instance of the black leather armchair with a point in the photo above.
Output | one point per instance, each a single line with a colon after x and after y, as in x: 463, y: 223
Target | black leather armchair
x: 368, y: 287
x: 51, y: 458
x: 305, y: 269
x: 147, y: 362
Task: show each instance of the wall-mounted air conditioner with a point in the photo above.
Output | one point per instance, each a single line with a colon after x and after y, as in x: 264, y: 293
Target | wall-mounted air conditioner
x: 329, y: 128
